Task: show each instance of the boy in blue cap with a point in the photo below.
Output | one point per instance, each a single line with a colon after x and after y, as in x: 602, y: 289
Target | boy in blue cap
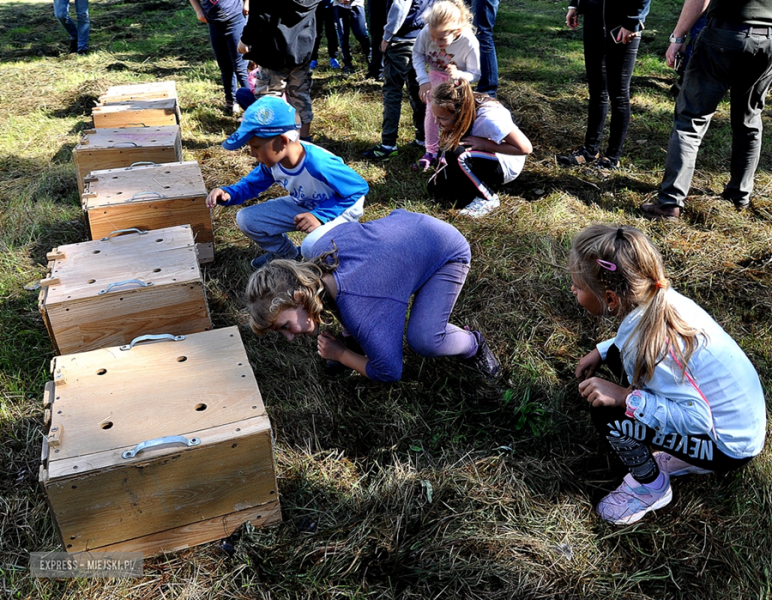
x: 322, y: 191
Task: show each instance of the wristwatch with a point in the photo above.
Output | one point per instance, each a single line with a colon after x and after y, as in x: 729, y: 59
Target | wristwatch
x: 677, y: 40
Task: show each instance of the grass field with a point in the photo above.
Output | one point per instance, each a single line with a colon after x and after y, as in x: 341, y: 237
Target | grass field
x: 439, y: 486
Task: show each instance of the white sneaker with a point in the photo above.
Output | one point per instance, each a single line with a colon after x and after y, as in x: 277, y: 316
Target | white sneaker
x: 674, y: 466
x: 480, y: 207
x: 632, y: 500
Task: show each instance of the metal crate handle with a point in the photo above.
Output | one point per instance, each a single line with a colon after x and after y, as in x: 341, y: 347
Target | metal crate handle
x: 145, y: 338
x: 135, y: 144
x: 156, y: 194
x: 162, y: 441
x: 139, y: 282
x: 120, y: 231
x: 143, y: 163
x: 135, y: 125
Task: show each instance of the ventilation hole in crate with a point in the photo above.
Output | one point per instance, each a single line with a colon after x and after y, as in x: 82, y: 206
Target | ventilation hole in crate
x: 238, y: 428
x: 166, y: 187
x: 101, y: 371
x: 200, y: 407
x: 254, y: 407
x: 69, y: 545
x: 174, y: 280
x: 167, y: 172
x: 243, y: 376
x: 56, y: 451
x: 156, y: 270
x: 160, y: 240
x: 234, y: 445
x: 58, y: 397
x: 182, y: 358
x: 96, y: 252
x: 72, y: 537
x: 106, y: 425
x: 259, y: 516
x: 91, y: 281
x: 239, y: 364
x: 152, y: 140
x: 66, y: 310
x: 75, y: 467
x: 75, y: 487
x: 110, y: 140
x: 272, y: 492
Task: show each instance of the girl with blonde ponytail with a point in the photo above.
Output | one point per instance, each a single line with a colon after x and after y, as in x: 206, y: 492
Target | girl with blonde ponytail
x: 686, y: 386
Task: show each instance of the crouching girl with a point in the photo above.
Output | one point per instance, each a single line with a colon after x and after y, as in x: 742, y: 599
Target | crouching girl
x: 365, y: 274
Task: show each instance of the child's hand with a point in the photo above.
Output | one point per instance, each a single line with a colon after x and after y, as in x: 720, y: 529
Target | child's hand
x: 600, y: 392
x: 201, y: 16
x: 474, y: 142
x: 329, y: 347
x: 215, y: 196
x: 306, y: 222
x: 425, y: 92
x: 245, y: 10
x: 452, y: 71
x: 589, y: 363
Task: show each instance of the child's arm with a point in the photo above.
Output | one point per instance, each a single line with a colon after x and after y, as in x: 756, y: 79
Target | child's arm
x: 589, y: 363
x: 468, y: 56
x: 600, y: 392
x: 217, y: 195
x: 420, y: 49
x: 251, y: 186
x: 306, y: 222
x: 515, y: 143
x: 331, y: 348
x: 199, y: 11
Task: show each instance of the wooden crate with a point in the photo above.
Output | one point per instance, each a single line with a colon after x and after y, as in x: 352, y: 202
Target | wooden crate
x: 139, y: 91
x: 157, y: 447
x: 150, y: 197
x: 136, y: 113
x: 113, y: 148
x: 108, y: 292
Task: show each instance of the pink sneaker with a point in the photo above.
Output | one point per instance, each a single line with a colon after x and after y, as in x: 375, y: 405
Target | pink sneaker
x: 674, y: 466
x: 632, y: 500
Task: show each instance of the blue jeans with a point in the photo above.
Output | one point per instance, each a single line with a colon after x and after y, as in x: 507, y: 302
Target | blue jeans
x: 79, y: 32
x: 428, y: 331
x: 723, y: 59
x: 225, y: 38
x: 484, y: 20
x: 349, y: 20
x: 267, y: 223
x: 609, y: 71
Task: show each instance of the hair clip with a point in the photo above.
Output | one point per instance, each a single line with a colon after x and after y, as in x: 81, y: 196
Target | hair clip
x: 620, y: 233
x: 661, y: 284
x: 457, y: 82
x: 609, y: 266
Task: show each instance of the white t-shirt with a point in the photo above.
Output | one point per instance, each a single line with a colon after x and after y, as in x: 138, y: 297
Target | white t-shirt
x: 494, y: 122
x: 464, y: 52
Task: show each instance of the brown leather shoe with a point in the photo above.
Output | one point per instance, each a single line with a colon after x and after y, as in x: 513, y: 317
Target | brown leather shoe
x: 659, y: 212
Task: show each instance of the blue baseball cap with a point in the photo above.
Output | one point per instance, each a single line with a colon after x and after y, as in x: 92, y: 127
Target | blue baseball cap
x: 267, y: 117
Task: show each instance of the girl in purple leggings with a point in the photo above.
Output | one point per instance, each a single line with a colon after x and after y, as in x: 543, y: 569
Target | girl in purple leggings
x: 365, y: 274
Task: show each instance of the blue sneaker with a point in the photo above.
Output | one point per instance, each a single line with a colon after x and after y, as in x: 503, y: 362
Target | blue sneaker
x: 334, y: 63
x: 314, y: 64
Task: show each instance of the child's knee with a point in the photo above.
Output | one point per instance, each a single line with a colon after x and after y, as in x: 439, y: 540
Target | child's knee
x: 423, y: 343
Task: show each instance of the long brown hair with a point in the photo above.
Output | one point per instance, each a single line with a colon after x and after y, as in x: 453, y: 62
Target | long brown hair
x: 457, y: 98
x: 624, y: 261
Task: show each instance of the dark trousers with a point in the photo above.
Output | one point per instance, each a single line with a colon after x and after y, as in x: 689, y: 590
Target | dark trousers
x: 325, y: 23
x: 632, y: 441
x: 348, y: 21
x: 609, y: 70
x: 484, y: 19
x: 465, y: 175
x: 398, y: 72
x: 723, y: 60
x: 225, y: 37
x: 378, y: 13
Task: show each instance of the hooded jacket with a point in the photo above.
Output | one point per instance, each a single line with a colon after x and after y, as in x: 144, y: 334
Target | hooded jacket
x: 280, y: 34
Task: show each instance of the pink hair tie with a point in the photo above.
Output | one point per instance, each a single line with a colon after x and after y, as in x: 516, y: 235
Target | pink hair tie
x: 661, y: 284
x: 609, y: 266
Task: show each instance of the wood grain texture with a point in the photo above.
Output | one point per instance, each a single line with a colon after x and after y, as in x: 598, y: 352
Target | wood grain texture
x: 136, y: 113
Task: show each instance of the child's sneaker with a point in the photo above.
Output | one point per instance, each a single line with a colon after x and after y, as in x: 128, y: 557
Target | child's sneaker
x: 607, y: 164
x: 632, y: 500
x: 425, y: 162
x: 580, y: 157
x: 348, y: 69
x: 381, y: 152
x: 334, y: 63
x: 484, y: 360
x: 480, y: 207
x: 674, y: 466
x: 314, y: 64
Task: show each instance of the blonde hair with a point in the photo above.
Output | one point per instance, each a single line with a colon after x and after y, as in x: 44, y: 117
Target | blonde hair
x: 286, y: 284
x: 447, y: 12
x: 624, y: 261
x: 457, y: 98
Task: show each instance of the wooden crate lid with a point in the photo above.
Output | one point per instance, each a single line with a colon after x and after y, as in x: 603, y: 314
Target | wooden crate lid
x: 112, y: 399
x: 87, y: 270
x: 128, y: 137
x: 144, y: 183
x: 143, y: 91
x: 167, y: 105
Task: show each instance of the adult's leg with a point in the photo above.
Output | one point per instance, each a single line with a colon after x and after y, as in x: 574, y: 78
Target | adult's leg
x: 428, y: 332
x: 343, y: 24
x: 708, y: 75
x: 748, y: 94
x: 267, y: 225
x: 620, y: 62
x: 377, y: 23
x: 484, y: 20
x: 62, y: 13
x: 84, y: 24
x: 359, y: 29
x: 595, y: 65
